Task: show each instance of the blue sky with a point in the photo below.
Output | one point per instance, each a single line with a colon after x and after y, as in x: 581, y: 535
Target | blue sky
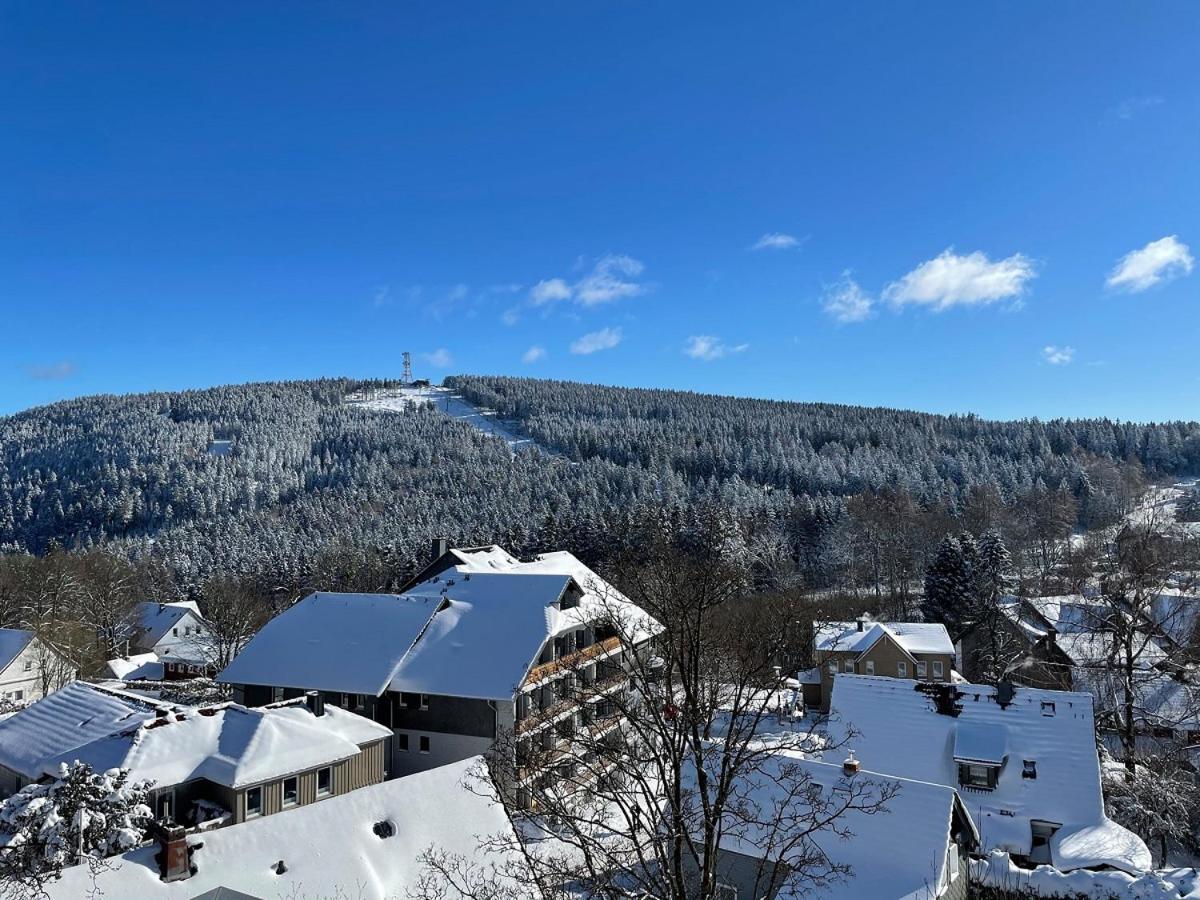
x: 949, y: 207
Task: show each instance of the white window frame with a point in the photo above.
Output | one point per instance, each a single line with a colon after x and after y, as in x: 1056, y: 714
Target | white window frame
x: 283, y: 800
x: 424, y: 701
x: 849, y: 667
x: 902, y: 669
x: 921, y: 669
x: 328, y: 791
x: 870, y: 667
x: 29, y: 665
x: 833, y: 667
x: 254, y: 813
x: 938, y: 669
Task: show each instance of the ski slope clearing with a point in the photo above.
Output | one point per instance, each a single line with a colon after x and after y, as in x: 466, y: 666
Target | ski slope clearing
x: 448, y: 402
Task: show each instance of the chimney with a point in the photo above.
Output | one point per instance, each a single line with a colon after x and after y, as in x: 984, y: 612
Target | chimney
x: 861, y: 621
x: 174, y: 860
x: 850, y: 765
x: 315, y: 703
x: 438, y: 548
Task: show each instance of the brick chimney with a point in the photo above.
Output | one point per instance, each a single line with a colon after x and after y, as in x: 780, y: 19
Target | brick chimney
x: 850, y: 765
x: 174, y: 860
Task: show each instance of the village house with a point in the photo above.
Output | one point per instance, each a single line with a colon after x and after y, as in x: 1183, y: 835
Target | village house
x: 917, y: 650
x: 914, y: 848
x: 1024, y: 761
x: 211, y: 765
x: 484, y: 645
x: 29, y: 667
x: 175, y: 633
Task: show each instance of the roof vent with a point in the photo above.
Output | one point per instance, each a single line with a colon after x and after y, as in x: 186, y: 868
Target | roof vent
x: 850, y: 765
x: 384, y: 829
x: 1005, y: 691
x: 315, y: 701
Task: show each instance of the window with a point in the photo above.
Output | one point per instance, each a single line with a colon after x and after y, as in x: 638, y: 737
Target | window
x: 833, y: 667
x: 920, y: 670
x: 1029, y: 768
x: 276, y: 694
x: 1047, y: 707
x: 978, y: 776
x: 18, y: 695
x: 291, y: 791
x: 901, y: 670
x: 410, y: 701
x: 870, y: 667
x: 725, y: 892
x: 254, y: 802
x: 402, y: 742
x: 29, y: 665
x: 175, y: 631
x: 850, y: 666
x: 937, y: 668
x: 324, y: 782
x: 424, y: 743
x: 424, y: 701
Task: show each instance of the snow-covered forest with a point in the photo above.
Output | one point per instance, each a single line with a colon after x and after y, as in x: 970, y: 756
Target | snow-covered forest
x: 305, y: 474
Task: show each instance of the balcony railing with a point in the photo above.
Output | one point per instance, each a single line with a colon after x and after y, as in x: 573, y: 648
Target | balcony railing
x: 571, y: 661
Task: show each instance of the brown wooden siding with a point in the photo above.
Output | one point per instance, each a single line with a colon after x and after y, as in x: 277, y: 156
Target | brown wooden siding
x: 362, y: 769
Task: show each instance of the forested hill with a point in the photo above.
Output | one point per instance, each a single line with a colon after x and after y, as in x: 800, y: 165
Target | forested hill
x: 305, y: 473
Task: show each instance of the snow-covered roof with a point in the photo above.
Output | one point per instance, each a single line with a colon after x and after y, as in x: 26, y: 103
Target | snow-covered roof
x: 900, y: 729
x: 1176, y: 614
x: 898, y: 851
x: 155, y: 619
x: 471, y: 630
x: 1068, y: 613
x: 138, y: 667
x: 227, y: 744
x: 352, y: 643
x: 329, y: 848
x: 1160, y: 698
x: 76, y: 714
x: 12, y: 642
x: 485, y: 636
x: 1095, y: 648
x: 914, y: 637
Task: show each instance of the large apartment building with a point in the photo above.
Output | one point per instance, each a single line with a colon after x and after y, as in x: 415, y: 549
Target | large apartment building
x: 478, y: 646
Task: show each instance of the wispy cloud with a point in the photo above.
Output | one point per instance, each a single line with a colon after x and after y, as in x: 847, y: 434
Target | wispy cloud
x: 777, y: 240
x: 1159, y: 261
x: 846, y: 302
x: 604, y: 339
x: 707, y: 347
x: 1131, y: 107
x: 52, y: 371
x: 439, y: 358
x: 511, y: 316
x: 1058, y: 356
x: 950, y: 280
x: 382, y: 296
x: 612, y: 277
x: 533, y: 354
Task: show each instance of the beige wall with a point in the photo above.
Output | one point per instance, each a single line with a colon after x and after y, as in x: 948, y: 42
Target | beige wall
x: 360, y: 770
x: 886, y: 654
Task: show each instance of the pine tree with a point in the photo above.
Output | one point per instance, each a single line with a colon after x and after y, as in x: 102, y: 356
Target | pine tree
x: 948, y: 588
x: 1188, y: 507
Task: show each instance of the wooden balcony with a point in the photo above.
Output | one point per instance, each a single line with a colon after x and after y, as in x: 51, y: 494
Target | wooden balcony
x: 571, y: 661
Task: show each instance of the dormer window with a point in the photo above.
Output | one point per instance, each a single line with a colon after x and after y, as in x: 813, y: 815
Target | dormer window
x: 979, y: 776
x: 1047, y: 707
x: 1029, y: 768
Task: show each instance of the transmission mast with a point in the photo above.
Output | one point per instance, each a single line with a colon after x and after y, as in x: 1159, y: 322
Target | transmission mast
x: 406, y: 378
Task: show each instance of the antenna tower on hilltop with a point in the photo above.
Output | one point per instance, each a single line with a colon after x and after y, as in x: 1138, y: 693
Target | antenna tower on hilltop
x: 406, y: 378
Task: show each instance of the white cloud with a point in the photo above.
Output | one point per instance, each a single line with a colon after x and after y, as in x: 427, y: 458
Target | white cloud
x: 604, y: 339
x: 1158, y: 261
x: 706, y: 347
x: 549, y: 290
x: 613, y: 277
x: 777, y: 240
x: 52, y: 371
x: 1130, y: 107
x: 511, y: 316
x: 533, y: 354
x: 610, y: 279
x: 1058, y: 356
x: 439, y: 358
x: 951, y: 280
x: 847, y: 302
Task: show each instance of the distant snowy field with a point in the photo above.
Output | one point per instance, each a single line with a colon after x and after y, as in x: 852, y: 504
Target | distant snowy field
x: 445, y: 401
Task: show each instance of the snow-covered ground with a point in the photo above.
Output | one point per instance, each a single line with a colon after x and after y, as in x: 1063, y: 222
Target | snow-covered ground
x: 1159, y: 504
x: 446, y: 401
x: 997, y: 870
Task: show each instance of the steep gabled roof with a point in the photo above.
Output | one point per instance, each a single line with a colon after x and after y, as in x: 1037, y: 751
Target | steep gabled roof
x: 913, y: 730
x: 13, y: 642
x: 912, y: 637
x: 155, y: 619
x: 897, y: 851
